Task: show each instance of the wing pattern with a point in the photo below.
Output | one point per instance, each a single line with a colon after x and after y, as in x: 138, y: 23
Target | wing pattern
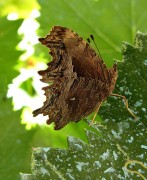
x: 81, y: 80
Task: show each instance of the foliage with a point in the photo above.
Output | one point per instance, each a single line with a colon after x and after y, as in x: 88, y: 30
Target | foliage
x: 132, y: 82
x: 22, y: 9
x: 110, y: 22
x: 14, y: 138
x: 118, y: 150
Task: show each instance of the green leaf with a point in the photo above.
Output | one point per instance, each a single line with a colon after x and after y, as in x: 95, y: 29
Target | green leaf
x: 111, y: 22
x: 117, y: 149
x: 104, y: 157
x: 14, y: 138
x: 131, y: 83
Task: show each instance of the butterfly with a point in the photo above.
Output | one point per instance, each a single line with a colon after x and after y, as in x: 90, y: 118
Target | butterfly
x: 80, y: 80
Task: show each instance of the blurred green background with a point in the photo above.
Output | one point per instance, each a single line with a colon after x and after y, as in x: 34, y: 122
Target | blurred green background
x: 21, y: 56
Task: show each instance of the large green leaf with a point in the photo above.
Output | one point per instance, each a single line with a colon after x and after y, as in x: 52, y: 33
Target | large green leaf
x: 14, y: 139
x: 111, y: 22
x: 104, y: 157
x: 118, y: 148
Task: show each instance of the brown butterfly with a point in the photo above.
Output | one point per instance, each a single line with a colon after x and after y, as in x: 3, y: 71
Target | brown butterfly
x: 80, y: 79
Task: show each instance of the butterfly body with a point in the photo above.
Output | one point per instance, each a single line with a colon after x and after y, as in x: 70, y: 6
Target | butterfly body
x: 81, y: 81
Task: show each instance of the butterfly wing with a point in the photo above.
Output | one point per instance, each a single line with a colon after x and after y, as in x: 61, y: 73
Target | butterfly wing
x: 80, y: 78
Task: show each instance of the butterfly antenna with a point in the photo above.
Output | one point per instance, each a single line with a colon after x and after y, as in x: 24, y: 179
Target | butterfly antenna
x: 88, y: 40
x: 92, y: 37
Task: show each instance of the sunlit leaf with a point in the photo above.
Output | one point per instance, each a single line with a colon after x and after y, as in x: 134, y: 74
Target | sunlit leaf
x: 18, y: 9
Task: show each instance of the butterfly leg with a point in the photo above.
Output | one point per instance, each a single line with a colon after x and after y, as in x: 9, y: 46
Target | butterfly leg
x: 126, y: 103
x: 97, y: 109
